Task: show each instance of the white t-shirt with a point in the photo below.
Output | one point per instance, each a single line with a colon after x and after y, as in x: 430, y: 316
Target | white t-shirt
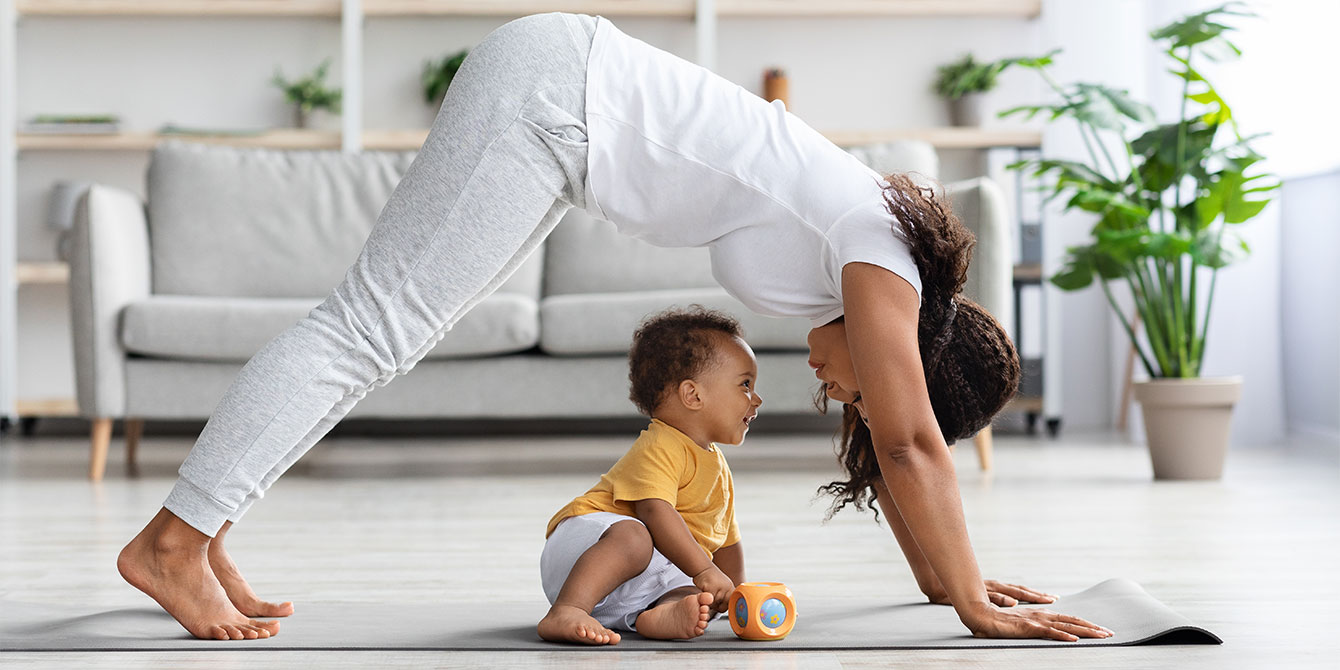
x: 680, y: 157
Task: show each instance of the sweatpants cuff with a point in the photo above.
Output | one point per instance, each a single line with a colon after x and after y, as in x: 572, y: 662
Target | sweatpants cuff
x: 196, y: 507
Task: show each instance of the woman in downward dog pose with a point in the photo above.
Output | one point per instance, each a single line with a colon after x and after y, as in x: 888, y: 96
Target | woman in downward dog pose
x: 557, y: 111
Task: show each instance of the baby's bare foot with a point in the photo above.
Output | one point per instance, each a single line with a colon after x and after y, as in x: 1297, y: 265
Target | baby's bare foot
x: 565, y: 623
x: 239, y: 591
x: 677, y: 620
x: 179, y: 578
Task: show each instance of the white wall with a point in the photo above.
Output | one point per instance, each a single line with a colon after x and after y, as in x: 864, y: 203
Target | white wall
x: 214, y: 72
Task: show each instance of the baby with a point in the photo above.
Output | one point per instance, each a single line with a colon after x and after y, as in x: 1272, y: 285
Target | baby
x: 654, y: 546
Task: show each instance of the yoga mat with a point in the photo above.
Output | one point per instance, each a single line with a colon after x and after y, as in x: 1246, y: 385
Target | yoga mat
x: 1118, y: 604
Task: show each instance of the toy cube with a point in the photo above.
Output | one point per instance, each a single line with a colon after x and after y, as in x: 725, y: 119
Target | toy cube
x: 762, y: 610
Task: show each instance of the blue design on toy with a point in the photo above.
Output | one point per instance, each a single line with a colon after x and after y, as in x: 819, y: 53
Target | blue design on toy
x: 772, y: 614
x: 741, y: 612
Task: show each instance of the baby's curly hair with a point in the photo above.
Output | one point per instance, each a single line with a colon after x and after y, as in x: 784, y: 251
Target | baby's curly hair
x: 672, y: 346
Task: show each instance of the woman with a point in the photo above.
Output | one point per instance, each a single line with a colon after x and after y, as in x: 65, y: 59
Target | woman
x: 557, y: 111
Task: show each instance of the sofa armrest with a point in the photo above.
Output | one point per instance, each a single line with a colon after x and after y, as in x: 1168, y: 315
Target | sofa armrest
x: 981, y: 205
x: 109, y: 268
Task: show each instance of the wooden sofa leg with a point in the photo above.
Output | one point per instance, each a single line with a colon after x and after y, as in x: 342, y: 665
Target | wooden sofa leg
x: 134, y: 431
x: 983, y: 442
x: 102, y: 437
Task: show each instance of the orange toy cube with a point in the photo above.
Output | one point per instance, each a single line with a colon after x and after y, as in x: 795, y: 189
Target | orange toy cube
x: 762, y: 610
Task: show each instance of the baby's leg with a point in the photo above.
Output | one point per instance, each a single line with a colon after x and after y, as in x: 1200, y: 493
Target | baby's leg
x: 680, y: 614
x: 621, y: 554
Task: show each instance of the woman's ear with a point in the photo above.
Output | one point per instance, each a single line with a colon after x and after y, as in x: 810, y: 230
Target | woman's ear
x: 689, y: 395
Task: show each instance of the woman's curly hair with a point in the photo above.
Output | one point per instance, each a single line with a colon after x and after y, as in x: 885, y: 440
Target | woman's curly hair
x: 672, y: 346
x: 970, y: 364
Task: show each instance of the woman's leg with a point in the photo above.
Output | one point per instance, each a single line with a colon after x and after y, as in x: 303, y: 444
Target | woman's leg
x: 505, y: 158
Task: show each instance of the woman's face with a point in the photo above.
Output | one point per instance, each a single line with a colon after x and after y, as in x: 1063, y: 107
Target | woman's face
x: 831, y: 359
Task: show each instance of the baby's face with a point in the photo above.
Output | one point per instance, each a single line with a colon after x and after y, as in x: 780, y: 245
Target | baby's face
x: 731, y: 401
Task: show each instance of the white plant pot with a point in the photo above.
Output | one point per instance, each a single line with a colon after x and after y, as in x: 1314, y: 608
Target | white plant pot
x: 1186, y: 424
x: 967, y: 110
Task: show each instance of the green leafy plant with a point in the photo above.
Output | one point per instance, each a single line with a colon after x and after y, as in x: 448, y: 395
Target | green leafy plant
x: 437, y: 75
x: 1165, y: 210
x: 310, y: 92
x: 965, y: 75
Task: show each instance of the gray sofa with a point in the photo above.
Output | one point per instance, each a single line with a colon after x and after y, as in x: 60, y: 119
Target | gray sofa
x: 170, y: 298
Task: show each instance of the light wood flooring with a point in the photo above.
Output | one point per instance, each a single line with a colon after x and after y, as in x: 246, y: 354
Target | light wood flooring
x: 1253, y: 557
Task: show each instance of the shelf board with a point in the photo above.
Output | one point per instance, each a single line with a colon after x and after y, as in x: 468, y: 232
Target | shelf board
x: 837, y: 8
x: 43, y: 273
x: 276, y: 139
x: 941, y: 138
x: 673, y: 8
x: 1024, y: 403
x: 1028, y: 272
x: 50, y: 407
x: 329, y: 8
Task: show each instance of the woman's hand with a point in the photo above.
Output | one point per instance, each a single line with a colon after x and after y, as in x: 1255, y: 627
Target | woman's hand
x: 712, y: 580
x: 1029, y: 622
x: 1001, y: 594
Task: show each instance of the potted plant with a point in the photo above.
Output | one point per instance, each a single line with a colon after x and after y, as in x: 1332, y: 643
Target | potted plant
x: 437, y: 76
x: 1165, y: 207
x: 309, y: 94
x: 962, y: 83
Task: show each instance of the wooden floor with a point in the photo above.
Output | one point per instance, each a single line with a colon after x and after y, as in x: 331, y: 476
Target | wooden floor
x: 1253, y: 557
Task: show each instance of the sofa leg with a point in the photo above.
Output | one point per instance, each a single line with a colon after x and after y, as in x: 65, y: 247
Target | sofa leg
x: 983, y: 442
x: 102, y: 437
x: 134, y: 430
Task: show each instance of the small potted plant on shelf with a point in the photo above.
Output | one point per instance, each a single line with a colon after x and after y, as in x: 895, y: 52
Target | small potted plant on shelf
x: 1166, y: 204
x: 962, y: 83
x: 309, y: 95
x: 437, y: 76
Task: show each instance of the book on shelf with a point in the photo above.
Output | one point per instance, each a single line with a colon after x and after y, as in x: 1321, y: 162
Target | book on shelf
x: 70, y: 124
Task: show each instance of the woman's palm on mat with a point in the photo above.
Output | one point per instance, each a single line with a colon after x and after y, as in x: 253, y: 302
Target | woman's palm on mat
x: 994, y: 622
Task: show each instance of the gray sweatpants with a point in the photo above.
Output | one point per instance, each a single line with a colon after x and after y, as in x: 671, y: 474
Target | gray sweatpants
x: 505, y: 158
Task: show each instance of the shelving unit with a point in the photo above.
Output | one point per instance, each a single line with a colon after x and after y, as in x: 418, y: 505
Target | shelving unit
x: 352, y: 137
x: 941, y: 138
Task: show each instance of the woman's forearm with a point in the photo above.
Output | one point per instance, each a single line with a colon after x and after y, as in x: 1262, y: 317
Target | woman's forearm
x: 924, y: 489
x: 921, y: 568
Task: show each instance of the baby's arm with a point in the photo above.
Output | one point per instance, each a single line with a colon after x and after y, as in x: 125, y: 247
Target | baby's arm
x: 730, y: 560
x: 672, y: 538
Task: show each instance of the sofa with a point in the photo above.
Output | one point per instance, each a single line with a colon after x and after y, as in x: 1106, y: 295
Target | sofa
x: 170, y: 297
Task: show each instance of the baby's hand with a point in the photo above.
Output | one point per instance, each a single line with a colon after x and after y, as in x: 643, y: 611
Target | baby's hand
x: 712, y: 580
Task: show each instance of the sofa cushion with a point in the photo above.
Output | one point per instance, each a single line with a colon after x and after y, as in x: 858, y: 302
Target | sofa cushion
x: 234, y: 329
x: 587, y: 255
x: 603, y: 323
x: 266, y: 223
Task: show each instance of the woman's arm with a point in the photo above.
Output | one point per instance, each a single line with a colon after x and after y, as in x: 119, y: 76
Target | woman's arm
x: 1000, y: 593
x: 921, y: 568
x: 881, y: 311
x: 731, y: 561
x: 672, y: 538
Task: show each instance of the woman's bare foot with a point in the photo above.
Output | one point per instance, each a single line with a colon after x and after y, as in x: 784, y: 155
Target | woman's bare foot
x: 565, y: 623
x: 168, y: 561
x: 239, y: 591
x: 679, y: 619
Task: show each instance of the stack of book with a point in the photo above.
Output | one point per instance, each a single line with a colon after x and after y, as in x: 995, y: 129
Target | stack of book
x: 64, y: 124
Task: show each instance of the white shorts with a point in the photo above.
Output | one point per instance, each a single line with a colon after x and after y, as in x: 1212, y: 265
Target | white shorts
x: 619, y: 609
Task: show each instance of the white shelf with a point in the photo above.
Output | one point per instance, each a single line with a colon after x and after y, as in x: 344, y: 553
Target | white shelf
x: 667, y: 8
x: 327, y: 8
x: 670, y: 8
x: 941, y: 138
x: 42, y: 273
x: 142, y: 141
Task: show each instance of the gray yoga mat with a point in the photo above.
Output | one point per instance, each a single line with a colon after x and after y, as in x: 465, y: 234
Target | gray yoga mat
x: 1118, y: 604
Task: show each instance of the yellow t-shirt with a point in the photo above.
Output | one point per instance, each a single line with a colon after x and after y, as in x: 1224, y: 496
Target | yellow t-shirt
x: 665, y: 464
